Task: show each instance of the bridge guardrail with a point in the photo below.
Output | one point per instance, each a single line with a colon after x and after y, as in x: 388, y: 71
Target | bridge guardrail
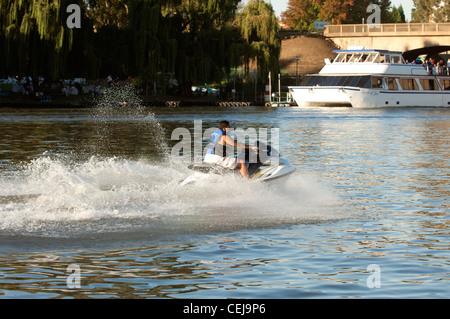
x: 384, y: 29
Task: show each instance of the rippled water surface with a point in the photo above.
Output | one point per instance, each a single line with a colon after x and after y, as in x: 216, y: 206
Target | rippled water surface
x: 365, y: 215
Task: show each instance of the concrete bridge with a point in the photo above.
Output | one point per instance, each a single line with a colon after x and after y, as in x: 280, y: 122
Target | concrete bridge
x: 395, y: 37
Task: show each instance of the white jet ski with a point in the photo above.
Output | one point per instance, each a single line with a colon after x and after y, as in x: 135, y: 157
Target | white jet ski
x: 265, y: 165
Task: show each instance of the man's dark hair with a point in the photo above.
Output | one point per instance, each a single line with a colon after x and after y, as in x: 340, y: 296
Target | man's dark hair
x: 224, y: 124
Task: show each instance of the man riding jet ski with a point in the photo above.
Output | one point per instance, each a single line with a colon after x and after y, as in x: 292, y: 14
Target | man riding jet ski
x: 260, y: 162
x: 217, y: 152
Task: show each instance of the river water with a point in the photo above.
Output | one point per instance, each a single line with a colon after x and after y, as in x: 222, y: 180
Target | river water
x: 90, y: 206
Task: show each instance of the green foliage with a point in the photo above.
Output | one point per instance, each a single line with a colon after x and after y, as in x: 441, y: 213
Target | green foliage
x: 259, y: 29
x: 398, y: 15
x: 301, y: 14
x: 189, y: 40
x: 33, y: 38
x: 431, y: 11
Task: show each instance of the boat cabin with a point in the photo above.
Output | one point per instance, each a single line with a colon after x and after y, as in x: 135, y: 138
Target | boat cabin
x: 368, y: 56
x: 380, y: 81
x: 377, y: 69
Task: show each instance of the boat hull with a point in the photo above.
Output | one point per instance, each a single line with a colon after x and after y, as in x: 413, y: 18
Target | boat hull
x: 320, y: 96
x: 367, y: 98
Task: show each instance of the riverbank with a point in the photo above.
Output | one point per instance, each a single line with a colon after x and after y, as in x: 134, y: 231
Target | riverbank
x: 89, y: 101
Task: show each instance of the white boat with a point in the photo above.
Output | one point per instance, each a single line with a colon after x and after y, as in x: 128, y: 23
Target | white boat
x: 372, y: 78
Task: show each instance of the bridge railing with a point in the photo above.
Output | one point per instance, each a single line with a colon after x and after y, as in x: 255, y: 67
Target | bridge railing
x: 384, y: 29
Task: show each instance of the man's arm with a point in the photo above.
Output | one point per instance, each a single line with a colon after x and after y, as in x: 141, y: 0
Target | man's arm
x: 228, y: 140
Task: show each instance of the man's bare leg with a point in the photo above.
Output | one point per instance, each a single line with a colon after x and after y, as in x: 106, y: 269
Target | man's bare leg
x: 243, y: 170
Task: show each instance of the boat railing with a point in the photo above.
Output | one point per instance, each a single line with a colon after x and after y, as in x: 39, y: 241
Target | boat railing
x: 283, y: 97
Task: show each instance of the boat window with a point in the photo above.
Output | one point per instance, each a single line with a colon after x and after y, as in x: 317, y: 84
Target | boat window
x: 377, y: 82
x: 387, y: 58
x: 308, y: 80
x: 344, y: 58
x: 355, y: 81
x: 324, y: 80
x: 372, y: 57
x: 305, y: 80
x: 338, y: 58
x: 396, y: 59
x: 334, y: 81
x: 429, y: 84
x: 348, y: 81
x: 408, y: 84
x: 355, y: 57
x: 328, y: 80
x: 445, y: 84
x: 392, y: 84
x: 363, y: 58
x: 342, y: 80
x: 363, y: 82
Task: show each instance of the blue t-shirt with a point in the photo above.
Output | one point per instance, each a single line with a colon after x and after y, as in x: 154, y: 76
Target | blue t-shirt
x: 215, y: 136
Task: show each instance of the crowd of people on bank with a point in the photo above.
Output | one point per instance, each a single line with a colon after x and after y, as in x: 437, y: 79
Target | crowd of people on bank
x: 43, y: 90
x: 437, y: 68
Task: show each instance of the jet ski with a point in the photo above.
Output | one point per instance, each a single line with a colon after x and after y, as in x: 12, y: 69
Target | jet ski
x: 263, y: 165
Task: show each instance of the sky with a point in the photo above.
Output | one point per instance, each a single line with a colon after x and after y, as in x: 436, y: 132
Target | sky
x: 281, y: 5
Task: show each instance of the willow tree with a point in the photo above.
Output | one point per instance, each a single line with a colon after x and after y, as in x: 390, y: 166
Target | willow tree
x: 186, y: 40
x: 259, y: 29
x: 107, y: 13
x: 189, y: 40
x: 202, y: 29
x: 144, y: 24
x: 35, y: 38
